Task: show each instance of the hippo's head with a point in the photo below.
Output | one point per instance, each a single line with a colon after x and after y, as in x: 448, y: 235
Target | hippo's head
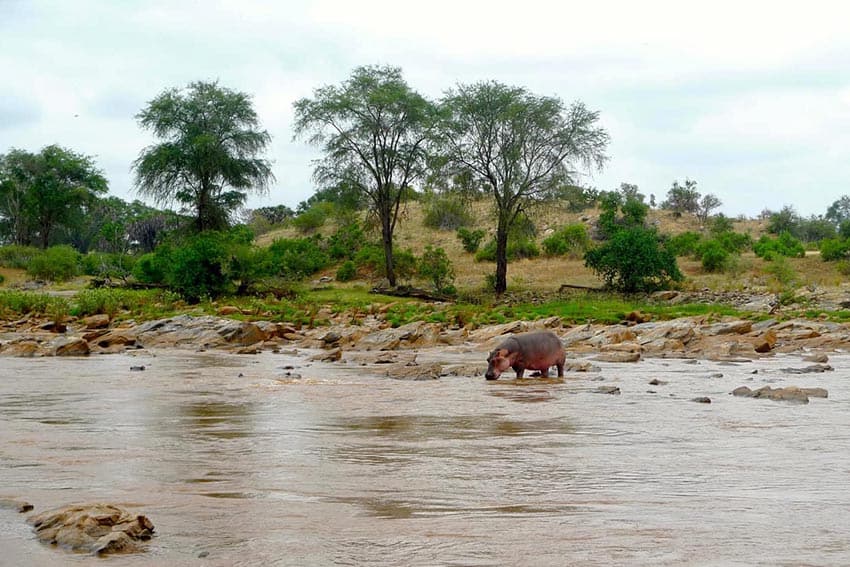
x: 498, y: 361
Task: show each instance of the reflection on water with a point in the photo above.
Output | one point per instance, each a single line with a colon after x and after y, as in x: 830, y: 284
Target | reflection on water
x: 344, y: 468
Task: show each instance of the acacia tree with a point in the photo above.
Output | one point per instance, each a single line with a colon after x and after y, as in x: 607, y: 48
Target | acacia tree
x: 682, y: 198
x: 208, y: 158
x: 41, y: 192
x: 372, y: 129
x: 520, y: 146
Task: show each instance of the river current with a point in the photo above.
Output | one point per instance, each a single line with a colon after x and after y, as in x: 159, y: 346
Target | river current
x: 239, y: 462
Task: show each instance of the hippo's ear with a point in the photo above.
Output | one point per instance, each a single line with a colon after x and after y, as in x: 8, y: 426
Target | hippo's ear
x: 503, y: 352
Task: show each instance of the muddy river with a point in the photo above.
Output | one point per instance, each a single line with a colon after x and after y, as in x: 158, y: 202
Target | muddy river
x: 237, y: 463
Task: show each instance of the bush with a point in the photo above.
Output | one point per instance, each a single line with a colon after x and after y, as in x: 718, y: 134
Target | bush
x: 784, y: 245
x: 447, y: 212
x: 17, y: 257
x: 517, y: 249
x: 297, y: 258
x: 200, y: 267
x: 371, y: 259
x: 346, y: 241
x: 471, y: 239
x: 2, y: 278
x: 436, y: 267
x: 782, y: 271
x: 714, y: 256
x: 832, y: 249
x: 571, y: 239
x: 150, y: 268
x: 314, y: 217
x: 57, y: 263
x: 684, y: 244
x: 346, y: 272
x: 634, y: 260
x: 17, y: 303
x: 103, y: 265
x: 734, y: 242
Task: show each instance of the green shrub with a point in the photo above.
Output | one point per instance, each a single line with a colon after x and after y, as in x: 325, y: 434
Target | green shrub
x: 447, y: 212
x: 200, y: 267
x: 97, y: 301
x: 633, y: 259
x: 713, y: 255
x: 17, y: 303
x: 151, y: 268
x: 346, y: 241
x: 57, y: 263
x: 471, y: 239
x: 734, y: 242
x: 832, y: 249
x: 2, y: 278
x: 436, y: 267
x: 782, y: 271
x: 371, y: 259
x: 346, y: 272
x: 571, y: 239
x: 517, y: 249
x: 684, y: 244
x: 314, y: 217
x: 297, y: 258
x: 104, y: 265
x: 784, y: 245
x: 17, y: 257
x: 405, y: 264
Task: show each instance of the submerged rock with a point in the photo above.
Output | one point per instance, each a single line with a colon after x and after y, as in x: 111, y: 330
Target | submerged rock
x: 98, y: 529
x: 787, y: 394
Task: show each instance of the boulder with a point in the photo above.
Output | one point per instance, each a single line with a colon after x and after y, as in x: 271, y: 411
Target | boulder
x: 819, y: 358
x: 244, y: 334
x: 99, y: 321
x: 788, y: 394
x: 19, y: 506
x: 415, y: 372
x: 618, y: 357
x: 98, y: 529
x: 765, y: 343
x: 329, y: 356
x: 228, y: 310
x: 74, y: 346
x: 728, y: 328
x: 486, y: 334
x: 608, y: 390
x: 24, y: 348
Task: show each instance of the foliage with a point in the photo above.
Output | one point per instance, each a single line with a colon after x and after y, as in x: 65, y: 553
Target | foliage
x: 199, y: 267
x: 780, y: 268
x: 839, y: 211
x: 447, y: 211
x: 706, y: 204
x: 207, y: 158
x: 619, y: 212
x: 297, y: 258
x: 346, y: 241
x: 832, y: 249
x: 57, y: 263
x: 105, y: 265
x: 17, y: 256
x: 347, y: 271
x: 633, y: 259
x: 720, y: 224
x: 785, y: 220
x: 370, y: 259
x: 436, y: 267
x: 314, y: 217
x: 151, y: 268
x: 713, y: 255
x: 470, y: 239
x: 784, y: 245
x: 519, y: 146
x: 44, y: 192
x: 518, y: 248
x: 575, y: 198
x: 684, y: 243
x: 682, y: 198
x: 571, y: 239
x: 372, y: 130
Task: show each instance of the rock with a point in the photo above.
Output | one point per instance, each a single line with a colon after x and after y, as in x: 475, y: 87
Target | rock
x: 577, y: 335
x: 111, y: 339
x: 657, y: 382
x: 137, y: 368
x: 487, y: 334
x: 613, y: 337
x: 330, y: 356
x: 608, y: 390
x: 637, y: 317
x: 812, y: 369
x: 580, y: 366
x: 819, y: 358
x: 765, y: 342
x: 788, y: 394
x: 816, y: 392
x: 728, y: 328
x: 98, y: 529
x: 244, y: 334
x: 666, y: 295
x: 464, y: 370
x: 74, y: 346
x: 702, y: 400
x: 429, y: 371
x: 228, y: 310
x: 99, y: 321
x: 618, y: 357
x: 20, y: 506
x: 25, y: 348
x: 742, y: 392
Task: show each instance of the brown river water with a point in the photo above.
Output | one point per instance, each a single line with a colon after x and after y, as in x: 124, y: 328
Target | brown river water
x: 237, y: 463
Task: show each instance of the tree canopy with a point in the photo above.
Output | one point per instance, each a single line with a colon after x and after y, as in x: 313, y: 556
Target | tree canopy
x: 372, y: 130
x: 519, y: 146
x: 209, y: 154
x: 42, y: 192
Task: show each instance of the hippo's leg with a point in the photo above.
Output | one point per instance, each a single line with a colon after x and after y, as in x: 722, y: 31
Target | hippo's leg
x: 519, y: 371
x: 561, y: 369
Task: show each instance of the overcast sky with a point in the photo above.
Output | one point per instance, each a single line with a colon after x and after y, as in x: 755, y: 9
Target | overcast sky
x: 750, y: 99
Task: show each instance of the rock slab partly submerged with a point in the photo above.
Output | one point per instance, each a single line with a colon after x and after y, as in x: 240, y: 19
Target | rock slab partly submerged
x: 98, y: 529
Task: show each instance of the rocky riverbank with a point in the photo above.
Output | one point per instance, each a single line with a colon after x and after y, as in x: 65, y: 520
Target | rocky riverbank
x: 372, y: 338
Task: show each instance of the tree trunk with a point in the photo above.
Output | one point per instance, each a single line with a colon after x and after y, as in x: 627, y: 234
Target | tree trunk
x: 501, y: 258
x: 387, y: 234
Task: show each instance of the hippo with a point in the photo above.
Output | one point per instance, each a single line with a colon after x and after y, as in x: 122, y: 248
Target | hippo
x: 534, y: 351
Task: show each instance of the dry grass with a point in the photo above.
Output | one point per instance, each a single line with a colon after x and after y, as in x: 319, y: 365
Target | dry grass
x: 548, y: 274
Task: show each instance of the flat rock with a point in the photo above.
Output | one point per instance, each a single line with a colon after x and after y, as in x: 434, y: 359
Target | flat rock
x: 98, y: 529
x: 25, y: 348
x: 728, y: 328
x: 74, y: 346
x: 99, y: 321
x: 415, y: 372
x: 618, y: 357
x: 614, y: 390
x: 19, y: 506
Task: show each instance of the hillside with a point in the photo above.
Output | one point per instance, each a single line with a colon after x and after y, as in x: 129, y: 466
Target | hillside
x: 548, y: 274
